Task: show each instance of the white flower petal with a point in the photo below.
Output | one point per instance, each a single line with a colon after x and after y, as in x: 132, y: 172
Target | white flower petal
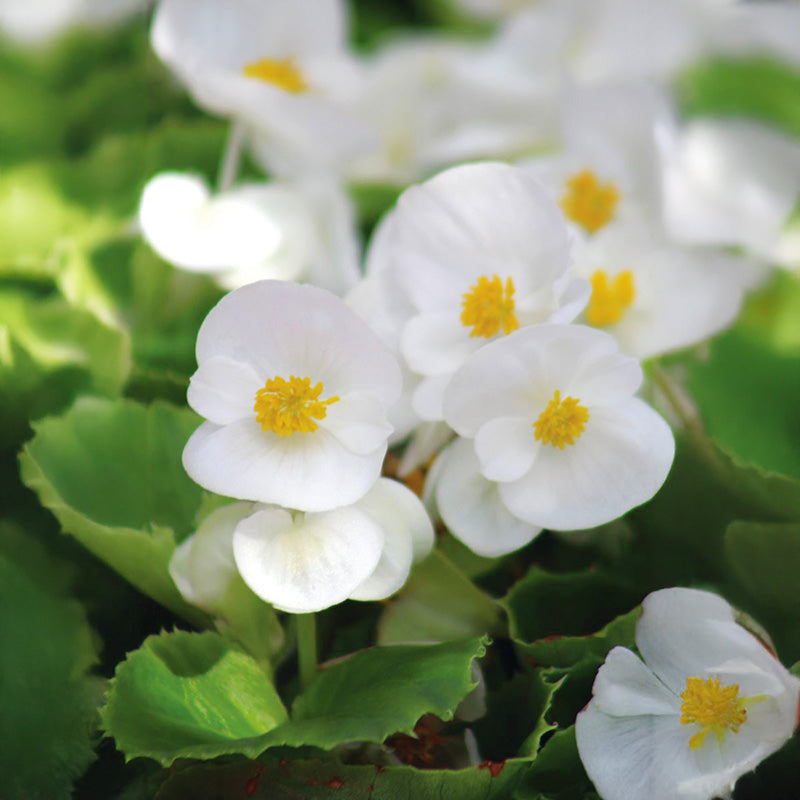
x: 687, y: 632
x: 223, y: 390
x: 309, y: 471
x: 475, y: 220
x: 506, y: 448
x: 358, y: 421
x: 642, y: 756
x: 471, y: 506
x: 282, y: 329
x: 428, y: 439
x: 408, y: 536
x: 308, y: 563
x: 618, y: 462
x: 203, y: 566
x: 189, y: 228
x: 428, y: 398
x: 437, y: 343
x: 626, y: 687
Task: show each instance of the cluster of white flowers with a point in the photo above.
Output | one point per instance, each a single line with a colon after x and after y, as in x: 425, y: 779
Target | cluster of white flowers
x: 498, y: 323
x: 295, y: 389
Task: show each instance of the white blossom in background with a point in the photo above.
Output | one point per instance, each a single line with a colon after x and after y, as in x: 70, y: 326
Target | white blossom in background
x: 478, y: 251
x: 603, y: 41
x: 732, y: 182
x: 305, y: 562
x: 437, y: 101
x: 280, y: 67
x: 655, y: 297
x: 295, y: 389
x: 707, y: 704
x: 606, y: 169
x: 286, y: 230
x: 35, y: 22
x: 555, y: 427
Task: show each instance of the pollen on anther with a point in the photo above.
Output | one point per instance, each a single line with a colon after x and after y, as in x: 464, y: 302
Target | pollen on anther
x: 287, y: 407
x: 588, y: 202
x: 280, y: 72
x: 489, y: 307
x: 562, y: 422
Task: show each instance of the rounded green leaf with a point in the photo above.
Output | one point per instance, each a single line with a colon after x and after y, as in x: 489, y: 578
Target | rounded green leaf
x: 111, y: 473
x: 378, y: 692
x: 189, y: 695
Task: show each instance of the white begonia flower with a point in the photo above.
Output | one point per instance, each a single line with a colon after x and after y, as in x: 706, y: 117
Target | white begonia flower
x: 731, y: 183
x: 39, y: 21
x: 654, y: 297
x: 303, y: 563
x: 279, y: 66
x: 556, y: 427
x: 295, y: 388
x: 708, y: 704
x: 302, y: 230
x: 478, y: 251
x: 607, y: 170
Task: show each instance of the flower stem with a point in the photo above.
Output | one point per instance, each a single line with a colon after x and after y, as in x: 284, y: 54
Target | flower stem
x: 307, y: 648
x: 229, y: 168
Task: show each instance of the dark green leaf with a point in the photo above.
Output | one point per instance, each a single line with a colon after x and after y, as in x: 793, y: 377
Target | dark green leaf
x: 48, y: 700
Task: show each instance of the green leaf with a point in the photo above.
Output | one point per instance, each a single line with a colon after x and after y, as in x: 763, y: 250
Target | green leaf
x: 438, y: 604
x: 185, y: 695
x: 282, y: 779
x: 515, y: 717
x: 111, y: 473
x: 747, y: 398
x: 564, y: 651
x: 378, y: 692
x: 772, y: 314
x: 752, y: 87
x: 765, y: 558
x: 47, y: 697
x: 557, y: 772
x: 163, y: 307
x: 545, y: 604
x: 49, y: 353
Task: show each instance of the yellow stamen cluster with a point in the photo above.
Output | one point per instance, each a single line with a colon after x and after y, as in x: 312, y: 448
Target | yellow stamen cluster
x: 610, y: 298
x: 487, y: 307
x: 715, y: 708
x: 287, y: 407
x: 588, y: 202
x: 562, y: 422
x: 280, y: 72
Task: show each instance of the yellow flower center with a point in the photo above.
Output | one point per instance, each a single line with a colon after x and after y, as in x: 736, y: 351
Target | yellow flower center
x: 610, y: 298
x: 280, y: 72
x: 487, y: 307
x: 562, y: 422
x: 588, y: 202
x: 715, y: 708
x: 287, y: 407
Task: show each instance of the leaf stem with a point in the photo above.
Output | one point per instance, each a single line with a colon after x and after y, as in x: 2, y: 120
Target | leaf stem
x: 229, y: 168
x: 307, y: 648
